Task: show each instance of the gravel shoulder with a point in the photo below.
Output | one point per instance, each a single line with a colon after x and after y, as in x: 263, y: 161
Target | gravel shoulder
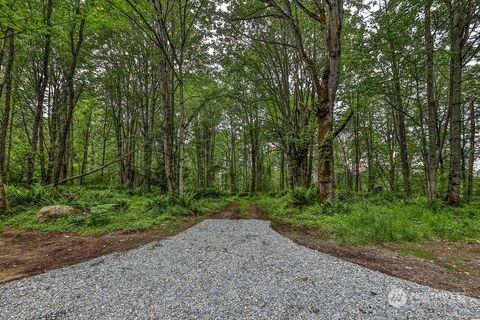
x: 226, y: 269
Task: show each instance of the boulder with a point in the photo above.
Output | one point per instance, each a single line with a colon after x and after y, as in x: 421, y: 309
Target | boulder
x: 53, y: 212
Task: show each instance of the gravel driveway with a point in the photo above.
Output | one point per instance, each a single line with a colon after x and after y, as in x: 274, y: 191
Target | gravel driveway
x: 226, y: 269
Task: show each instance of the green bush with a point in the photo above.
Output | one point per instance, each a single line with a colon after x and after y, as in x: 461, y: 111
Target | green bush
x: 188, y: 200
x: 208, y: 193
x: 330, y: 209
x: 37, y: 195
x: 99, y: 215
x: 301, y: 196
x: 159, y: 203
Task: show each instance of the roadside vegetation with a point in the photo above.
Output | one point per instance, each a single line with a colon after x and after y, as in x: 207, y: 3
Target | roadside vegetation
x: 101, y: 210
x: 354, y: 218
x: 363, y: 219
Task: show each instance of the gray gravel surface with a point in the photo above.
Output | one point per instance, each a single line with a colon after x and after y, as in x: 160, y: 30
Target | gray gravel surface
x: 226, y: 269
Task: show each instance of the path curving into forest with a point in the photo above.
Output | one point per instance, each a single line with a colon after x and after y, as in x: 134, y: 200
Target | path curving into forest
x: 226, y: 269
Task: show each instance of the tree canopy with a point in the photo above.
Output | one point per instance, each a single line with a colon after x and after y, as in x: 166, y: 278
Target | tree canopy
x: 242, y: 96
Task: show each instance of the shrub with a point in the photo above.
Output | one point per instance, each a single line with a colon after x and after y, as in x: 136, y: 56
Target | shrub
x: 208, y: 193
x: 37, y: 195
x: 99, y: 215
x: 301, y: 196
x: 188, y: 200
x: 159, y: 203
x: 346, y: 196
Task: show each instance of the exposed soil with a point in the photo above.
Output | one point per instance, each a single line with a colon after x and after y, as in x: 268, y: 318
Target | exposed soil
x: 233, y: 212
x: 230, y: 212
x: 449, y: 266
x: 28, y: 253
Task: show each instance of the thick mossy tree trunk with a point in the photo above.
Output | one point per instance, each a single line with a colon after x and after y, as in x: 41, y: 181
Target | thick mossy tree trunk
x: 325, y: 82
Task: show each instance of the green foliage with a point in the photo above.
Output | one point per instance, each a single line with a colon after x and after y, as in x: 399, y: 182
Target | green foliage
x: 419, y: 253
x: 159, y: 203
x: 188, y: 200
x: 37, y: 195
x: 207, y: 193
x: 301, y: 196
x: 102, y: 211
x: 380, y: 219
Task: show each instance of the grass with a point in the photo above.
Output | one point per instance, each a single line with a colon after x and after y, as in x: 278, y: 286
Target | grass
x: 244, y: 205
x: 419, y: 253
x: 107, y: 211
x: 369, y: 219
x: 457, y: 266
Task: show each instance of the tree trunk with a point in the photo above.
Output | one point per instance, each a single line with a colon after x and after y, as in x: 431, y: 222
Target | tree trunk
x: 325, y: 83
x: 254, y: 160
x: 75, y: 47
x: 400, y: 118
x: 86, y: 139
x: 117, y: 118
x: 455, y: 102
x: 471, y: 157
x: 167, y: 126
x: 357, y: 151
x: 181, y: 135
x: 8, y: 172
x: 8, y: 97
x: 6, y: 115
x: 41, y: 142
x: 3, y: 198
x: 232, y: 162
x: 40, y: 95
x: 432, y: 108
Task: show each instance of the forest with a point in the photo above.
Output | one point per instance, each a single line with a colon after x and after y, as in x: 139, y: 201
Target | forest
x: 350, y: 127
x: 318, y: 109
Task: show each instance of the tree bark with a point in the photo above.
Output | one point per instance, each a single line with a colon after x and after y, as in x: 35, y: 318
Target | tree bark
x: 471, y: 156
x: 75, y: 46
x: 455, y: 101
x: 8, y: 97
x: 432, y: 107
x: 182, y: 133
x: 400, y: 118
x: 41, y: 86
x: 167, y: 127
x: 86, y: 140
x: 325, y: 83
x: 357, y: 151
x: 6, y: 114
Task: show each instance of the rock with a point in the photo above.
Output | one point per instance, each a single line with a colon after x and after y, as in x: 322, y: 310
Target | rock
x: 53, y: 212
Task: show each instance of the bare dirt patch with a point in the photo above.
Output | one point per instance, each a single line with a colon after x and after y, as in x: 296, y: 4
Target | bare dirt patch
x: 230, y: 212
x: 256, y: 213
x: 446, y: 265
x: 234, y: 212
x: 28, y: 253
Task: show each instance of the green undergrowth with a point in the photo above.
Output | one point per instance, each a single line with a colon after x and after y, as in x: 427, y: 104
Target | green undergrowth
x: 101, y: 211
x: 364, y: 219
